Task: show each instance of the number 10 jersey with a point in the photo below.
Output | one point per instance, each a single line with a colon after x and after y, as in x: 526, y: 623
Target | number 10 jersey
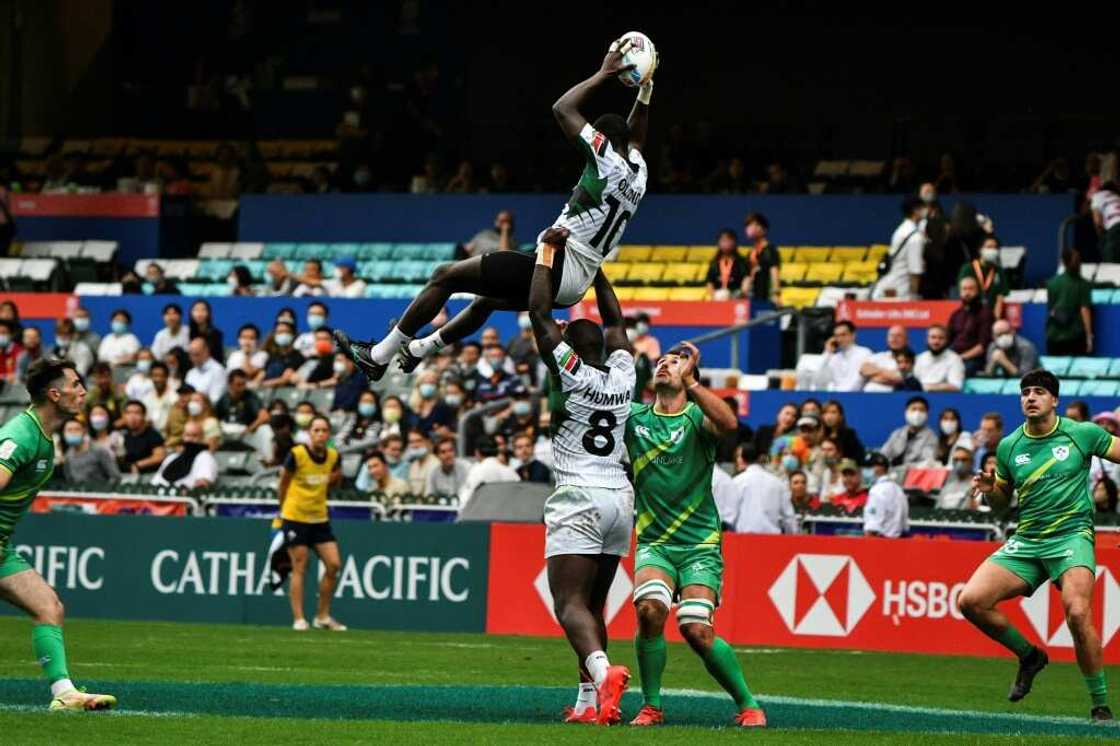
x: 589, y: 408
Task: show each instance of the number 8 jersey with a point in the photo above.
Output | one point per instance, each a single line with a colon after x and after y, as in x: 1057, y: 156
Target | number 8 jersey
x: 602, y: 204
x: 589, y: 408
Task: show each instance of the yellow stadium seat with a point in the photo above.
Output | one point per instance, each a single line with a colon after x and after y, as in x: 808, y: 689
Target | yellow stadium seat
x: 824, y: 272
x: 616, y: 271
x: 623, y: 294
x: 634, y: 253
x: 669, y: 253
x: 799, y: 297
x: 700, y: 254
x: 878, y: 251
x: 681, y: 272
x: 785, y: 252
x: 689, y: 294
x: 861, y: 273
x: 651, y: 294
x: 811, y: 254
x: 646, y: 272
x: 792, y: 271
x: 848, y: 253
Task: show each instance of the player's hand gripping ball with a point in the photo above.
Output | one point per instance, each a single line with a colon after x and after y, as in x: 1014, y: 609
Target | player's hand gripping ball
x: 638, y: 59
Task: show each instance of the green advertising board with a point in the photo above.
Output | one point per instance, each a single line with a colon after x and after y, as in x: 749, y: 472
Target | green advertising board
x: 394, y: 575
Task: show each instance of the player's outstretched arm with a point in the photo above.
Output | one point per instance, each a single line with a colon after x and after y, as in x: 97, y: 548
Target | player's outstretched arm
x: 567, y: 107
x: 718, y: 417
x: 610, y: 311
x: 545, y: 328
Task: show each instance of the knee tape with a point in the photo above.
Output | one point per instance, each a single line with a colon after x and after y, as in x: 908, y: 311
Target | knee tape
x: 656, y: 590
x: 695, y: 611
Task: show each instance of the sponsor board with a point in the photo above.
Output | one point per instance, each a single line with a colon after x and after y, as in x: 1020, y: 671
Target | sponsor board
x: 914, y: 314
x: 674, y: 313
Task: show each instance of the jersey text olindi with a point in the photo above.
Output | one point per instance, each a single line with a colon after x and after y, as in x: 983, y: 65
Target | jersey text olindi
x: 589, y: 408
x: 672, y: 456
x: 1050, y: 474
x: 28, y: 455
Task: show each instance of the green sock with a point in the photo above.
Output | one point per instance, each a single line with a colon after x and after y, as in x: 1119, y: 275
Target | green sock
x: 1098, y: 688
x: 46, y: 641
x: 724, y: 668
x: 1013, y: 640
x: 652, y: 654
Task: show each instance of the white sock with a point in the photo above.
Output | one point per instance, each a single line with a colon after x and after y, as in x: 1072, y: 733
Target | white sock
x: 587, y: 699
x: 61, y: 687
x: 426, y: 346
x: 597, y: 665
x: 383, y: 351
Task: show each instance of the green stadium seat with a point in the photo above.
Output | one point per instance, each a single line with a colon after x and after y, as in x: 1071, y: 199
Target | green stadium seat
x: 290, y: 395
x: 339, y: 250
x: 1089, y: 367
x: 215, y: 269
x: 1072, y: 387
x: 1114, y: 369
x: 295, y: 266
x: 983, y: 386
x: 279, y: 251
x: 1101, y: 296
x: 378, y: 291
x: 405, y: 251
x: 375, y: 251
x: 441, y: 252
x: 307, y: 251
x: 1011, y: 386
x: 193, y: 288
x: 1058, y: 365
x: 384, y: 270
x: 1099, y: 388
x: 413, y: 270
x: 321, y: 399
x: 256, y: 268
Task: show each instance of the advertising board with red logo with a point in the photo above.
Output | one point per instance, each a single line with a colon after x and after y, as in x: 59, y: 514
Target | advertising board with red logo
x: 820, y: 592
x: 674, y: 313
x: 913, y: 314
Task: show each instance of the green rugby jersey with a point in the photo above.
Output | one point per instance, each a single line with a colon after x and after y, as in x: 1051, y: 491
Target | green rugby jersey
x: 672, y: 456
x: 27, y: 453
x: 1051, y: 475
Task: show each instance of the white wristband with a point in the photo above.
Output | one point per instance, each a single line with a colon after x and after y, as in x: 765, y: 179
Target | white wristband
x: 645, y: 92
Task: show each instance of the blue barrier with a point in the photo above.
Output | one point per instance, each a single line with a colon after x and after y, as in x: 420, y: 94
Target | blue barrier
x: 1027, y: 220
x: 875, y: 416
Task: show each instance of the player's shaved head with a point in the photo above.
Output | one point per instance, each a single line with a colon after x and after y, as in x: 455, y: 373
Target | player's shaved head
x: 615, y: 128
x: 586, y: 338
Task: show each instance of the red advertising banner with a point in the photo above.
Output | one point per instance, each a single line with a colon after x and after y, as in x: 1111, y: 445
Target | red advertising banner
x: 914, y: 314
x: 674, y: 313
x: 821, y: 592
x: 85, y: 205
x: 42, y: 305
x: 46, y: 502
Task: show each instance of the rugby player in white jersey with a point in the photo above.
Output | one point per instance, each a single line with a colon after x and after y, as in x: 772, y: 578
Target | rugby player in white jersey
x: 589, y: 517
x: 602, y: 204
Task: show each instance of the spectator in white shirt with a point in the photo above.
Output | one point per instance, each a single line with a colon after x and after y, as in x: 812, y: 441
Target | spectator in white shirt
x: 765, y: 506
x: 193, y: 466
x: 887, y: 513
x: 162, y: 396
x: 489, y: 469
x: 907, y: 245
x: 913, y: 443
x: 139, y: 384
x: 248, y: 356
x: 727, y: 497
x: 880, y: 372
x: 173, y: 334
x: 207, y: 375
x: 1105, y: 205
x: 317, y: 315
x: 311, y: 281
x: 119, y: 347
x: 345, y: 284
x: 69, y: 347
x: 956, y: 493
x: 939, y: 368
x: 840, y: 365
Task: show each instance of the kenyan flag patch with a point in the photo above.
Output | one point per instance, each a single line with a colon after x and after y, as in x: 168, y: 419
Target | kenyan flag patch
x: 569, y: 361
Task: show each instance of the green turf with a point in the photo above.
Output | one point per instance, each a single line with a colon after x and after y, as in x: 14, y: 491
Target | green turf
x: 169, y: 655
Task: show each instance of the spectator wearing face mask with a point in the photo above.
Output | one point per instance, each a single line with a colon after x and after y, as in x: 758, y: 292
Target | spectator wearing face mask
x: 201, y: 412
x: 173, y: 334
x: 956, y: 493
x: 887, y: 513
x: 904, y: 362
x: 119, y: 347
x: 431, y: 415
x: 83, y: 328
x: 989, y: 276
x: 914, y: 443
x: 395, y: 419
x: 67, y: 346
x: 345, y: 283
x: 521, y: 417
x: 303, y: 416
x: 951, y: 435
x: 727, y: 273
x: 161, y: 397
x: 348, y: 384
x: 318, y: 369
x: 202, y: 327
x: 420, y: 460
x: 450, y: 475
x: 1009, y: 354
x: 939, y: 368
x: 192, y: 465
x: 970, y: 327
x: 906, y: 256
x: 101, y: 431
x: 827, y: 470
x: 392, y: 455
x: 499, y: 383
x: 139, y: 384
x: 363, y: 426
x: 306, y: 343
x: 161, y: 285
x: 240, y: 282
x: 83, y: 461
x: 284, y: 361
x: 32, y: 351
x: 248, y: 358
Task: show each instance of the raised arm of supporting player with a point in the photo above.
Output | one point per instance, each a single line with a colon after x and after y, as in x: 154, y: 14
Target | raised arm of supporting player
x: 567, y: 107
x: 545, y: 328
x: 718, y: 417
x: 610, y: 311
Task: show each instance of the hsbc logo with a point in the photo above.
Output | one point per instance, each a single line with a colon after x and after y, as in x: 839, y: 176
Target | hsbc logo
x: 1045, y: 613
x: 821, y: 594
x: 617, y: 596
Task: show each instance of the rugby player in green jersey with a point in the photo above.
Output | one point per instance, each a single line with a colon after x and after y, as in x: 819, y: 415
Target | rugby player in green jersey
x: 672, y: 447
x: 1045, y: 462
x: 26, y: 463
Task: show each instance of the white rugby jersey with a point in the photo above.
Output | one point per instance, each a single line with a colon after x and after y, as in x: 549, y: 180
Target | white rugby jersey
x: 589, y: 411
x: 602, y: 204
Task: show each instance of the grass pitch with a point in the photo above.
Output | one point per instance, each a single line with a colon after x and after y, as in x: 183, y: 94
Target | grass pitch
x: 209, y: 684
